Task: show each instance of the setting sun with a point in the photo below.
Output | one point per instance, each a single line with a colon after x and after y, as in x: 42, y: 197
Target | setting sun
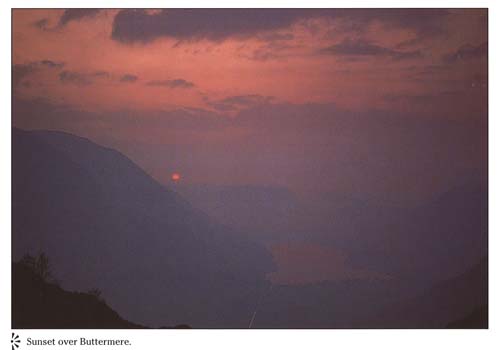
x: 176, y: 177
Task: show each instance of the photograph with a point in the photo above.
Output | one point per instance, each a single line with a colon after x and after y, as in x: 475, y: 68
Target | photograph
x: 247, y: 168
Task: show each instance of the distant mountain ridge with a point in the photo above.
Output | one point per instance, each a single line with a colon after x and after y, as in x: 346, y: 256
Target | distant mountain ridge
x: 261, y: 212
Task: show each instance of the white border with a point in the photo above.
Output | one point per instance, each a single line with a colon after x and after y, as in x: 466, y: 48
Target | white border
x: 242, y: 339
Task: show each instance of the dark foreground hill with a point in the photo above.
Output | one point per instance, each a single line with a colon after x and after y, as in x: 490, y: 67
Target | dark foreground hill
x: 106, y: 223
x: 39, y: 304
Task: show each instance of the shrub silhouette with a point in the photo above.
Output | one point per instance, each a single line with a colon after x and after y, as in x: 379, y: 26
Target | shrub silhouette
x: 96, y: 293
x: 40, y: 266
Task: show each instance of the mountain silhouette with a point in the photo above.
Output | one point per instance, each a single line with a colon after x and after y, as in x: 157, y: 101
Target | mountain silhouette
x: 106, y: 223
x: 159, y: 261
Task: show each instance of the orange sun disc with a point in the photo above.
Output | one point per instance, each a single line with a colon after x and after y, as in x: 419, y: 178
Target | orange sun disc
x: 176, y: 177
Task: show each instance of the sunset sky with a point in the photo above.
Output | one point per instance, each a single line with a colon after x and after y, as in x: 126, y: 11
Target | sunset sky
x: 391, y: 102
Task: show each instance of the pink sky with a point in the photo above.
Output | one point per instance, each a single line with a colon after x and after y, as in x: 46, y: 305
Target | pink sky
x: 240, y: 74
x: 294, y: 71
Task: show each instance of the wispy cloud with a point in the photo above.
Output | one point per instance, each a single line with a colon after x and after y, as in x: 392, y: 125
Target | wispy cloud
x: 128, y: 78
x: 70, y: 15
x: 21, y: 71
x: 82, y: 78
x: 233, y: 103
x: 173, y: 83
x: 41, y: 24
x: 364, y: 48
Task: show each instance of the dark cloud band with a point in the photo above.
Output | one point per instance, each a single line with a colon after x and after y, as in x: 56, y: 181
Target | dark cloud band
x: 142, y: 26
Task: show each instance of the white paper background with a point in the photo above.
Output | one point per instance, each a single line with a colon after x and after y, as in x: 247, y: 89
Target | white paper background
x: 255, y: 339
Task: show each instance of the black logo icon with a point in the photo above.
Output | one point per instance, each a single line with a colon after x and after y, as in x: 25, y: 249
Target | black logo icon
x: 15, y: 341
